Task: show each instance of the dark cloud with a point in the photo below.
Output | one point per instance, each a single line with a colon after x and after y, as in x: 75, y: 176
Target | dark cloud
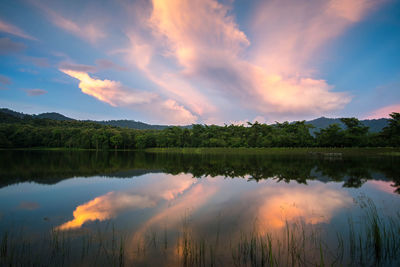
x: 7, y: 46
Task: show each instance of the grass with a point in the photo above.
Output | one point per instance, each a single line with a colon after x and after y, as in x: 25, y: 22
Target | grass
x: 373, y: 240
x: 281, y: 151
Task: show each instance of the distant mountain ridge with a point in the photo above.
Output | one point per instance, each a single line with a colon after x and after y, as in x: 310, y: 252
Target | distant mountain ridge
x: 57, y: 116
x: 375, y: 125
x: 8, y: 115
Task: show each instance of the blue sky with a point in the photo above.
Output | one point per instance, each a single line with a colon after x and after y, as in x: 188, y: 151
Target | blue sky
x: 201, y: 61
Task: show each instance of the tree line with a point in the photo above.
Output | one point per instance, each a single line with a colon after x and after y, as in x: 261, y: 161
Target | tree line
x: 53, y: 166
x: 33, y: 132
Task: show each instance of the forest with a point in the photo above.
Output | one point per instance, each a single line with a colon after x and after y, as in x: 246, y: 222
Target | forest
x: 50, y: 167
x: 28, y: 132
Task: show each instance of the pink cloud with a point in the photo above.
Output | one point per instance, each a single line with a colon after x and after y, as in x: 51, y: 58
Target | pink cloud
x: 384, y: 186
x: 383, y: 112
x: 196, y: 53
x: 14, y: 30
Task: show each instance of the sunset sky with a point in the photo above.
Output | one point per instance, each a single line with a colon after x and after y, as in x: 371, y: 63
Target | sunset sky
x: 201, y: 61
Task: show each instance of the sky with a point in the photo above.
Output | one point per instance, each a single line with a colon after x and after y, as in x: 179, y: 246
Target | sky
x: 201, y: 61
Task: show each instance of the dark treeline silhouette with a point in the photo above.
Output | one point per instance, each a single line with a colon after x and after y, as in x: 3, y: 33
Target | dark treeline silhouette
x: 25, y: 132
x: 53, y: 166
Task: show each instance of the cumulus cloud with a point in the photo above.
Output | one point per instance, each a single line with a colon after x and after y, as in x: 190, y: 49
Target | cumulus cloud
x: 116, y: 94
x: 197, y: 54
x: 105, y: 207
x: 206, y: 67
x: 14, y: 30
x: 35, y: 92
x: 281, y: 205
x: 111, y: 92
x: 154, y: 192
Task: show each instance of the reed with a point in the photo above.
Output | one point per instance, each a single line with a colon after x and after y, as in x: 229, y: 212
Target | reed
x: 372, y: 239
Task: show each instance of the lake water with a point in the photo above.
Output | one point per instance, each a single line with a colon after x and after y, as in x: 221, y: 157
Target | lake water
x: 146, y: 209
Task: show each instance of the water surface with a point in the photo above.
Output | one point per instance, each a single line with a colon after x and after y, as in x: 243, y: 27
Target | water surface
x: 124, y: 208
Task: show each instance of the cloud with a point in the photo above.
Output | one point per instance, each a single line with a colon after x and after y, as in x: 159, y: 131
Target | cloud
x: 288, y: 33
x: 115, y: 94
x: 147, y: 195
x: 387, y: 187
x: 279, y: 205
x: 35, y: 92
x: 383, y: 112
x: 101, y: 64
x: 38, y: 61
x: 89, y: 32
x: 77, y: 67
x: 8, y: 46
x: 14, y: 30
x: 108, y: 91
x: 30, y: 71
x: 105, y: 207
x: 4, y: 80
x: 28, y: 205
x: 108, y: 64
x: 197, y: 54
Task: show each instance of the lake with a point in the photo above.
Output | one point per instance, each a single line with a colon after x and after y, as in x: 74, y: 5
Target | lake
x: 88, y: 208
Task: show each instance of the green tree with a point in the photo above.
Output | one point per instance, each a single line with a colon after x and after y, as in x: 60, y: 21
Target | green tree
x: 332, y: 136
x: 391, y: 133
x: 116, y: 140
x: 355, y: 133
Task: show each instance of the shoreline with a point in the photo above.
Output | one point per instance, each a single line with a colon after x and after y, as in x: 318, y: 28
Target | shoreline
x: 345, y: 151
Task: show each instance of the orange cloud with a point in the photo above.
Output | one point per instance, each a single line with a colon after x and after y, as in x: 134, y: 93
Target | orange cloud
x: 172, y: 213
x: 305, y: 203
x: 149, y: 195
x: 106, y: 207
x: 108, y: 91
x: 14, y: 30
x: 115, y: 94
x: 383, y: 112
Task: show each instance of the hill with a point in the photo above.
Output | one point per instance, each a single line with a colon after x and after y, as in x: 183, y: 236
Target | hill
x: 52, y: 116
x: 375, y: 125
x: 7, y: 115
x: 131, y: 124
